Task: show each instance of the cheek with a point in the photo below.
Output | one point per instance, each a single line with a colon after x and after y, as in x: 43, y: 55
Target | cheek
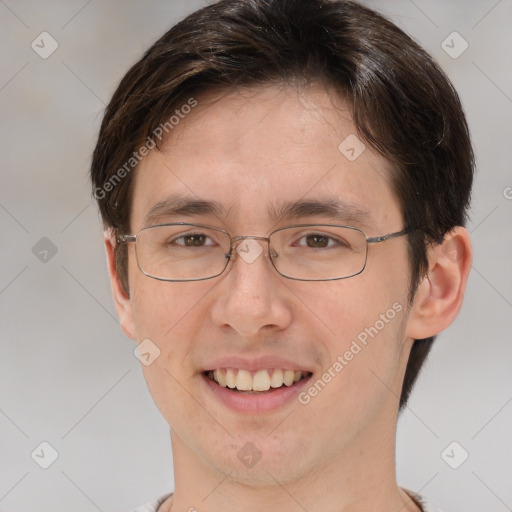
x: 343, y: 309
x: 363, y: 371
x: 159, y: 306
x: 170, y: 316
x: 361, y: 323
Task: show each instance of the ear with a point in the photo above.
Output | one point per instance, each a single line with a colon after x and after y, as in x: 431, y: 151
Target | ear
x: 439, y: 296
x: 122, y: 300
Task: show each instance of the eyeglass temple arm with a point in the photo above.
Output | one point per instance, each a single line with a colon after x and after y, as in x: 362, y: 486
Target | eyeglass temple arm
x: 382, y: 238
x: 126, y: 238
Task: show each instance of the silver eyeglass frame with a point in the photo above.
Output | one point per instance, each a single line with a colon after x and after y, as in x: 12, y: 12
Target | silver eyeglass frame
x: 235, y: 240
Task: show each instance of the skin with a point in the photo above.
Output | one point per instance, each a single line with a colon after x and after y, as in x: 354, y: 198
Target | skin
x: 247, y: 149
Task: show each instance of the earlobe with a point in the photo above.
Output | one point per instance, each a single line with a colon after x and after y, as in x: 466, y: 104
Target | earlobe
x: 440, y: 293
x: 122, y: 300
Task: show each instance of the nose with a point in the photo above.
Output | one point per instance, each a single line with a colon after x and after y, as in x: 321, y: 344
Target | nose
x: 250, y: 297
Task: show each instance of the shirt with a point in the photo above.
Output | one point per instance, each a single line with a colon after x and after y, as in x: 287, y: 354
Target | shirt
x: 153, y: 506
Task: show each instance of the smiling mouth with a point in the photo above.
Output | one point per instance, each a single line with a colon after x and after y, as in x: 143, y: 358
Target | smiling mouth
x: 255, y: 382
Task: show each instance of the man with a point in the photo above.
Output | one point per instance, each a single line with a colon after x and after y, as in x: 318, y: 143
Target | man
x: 284, y: 187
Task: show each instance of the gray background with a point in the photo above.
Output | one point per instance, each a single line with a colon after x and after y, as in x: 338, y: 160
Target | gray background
x: 68, y: 376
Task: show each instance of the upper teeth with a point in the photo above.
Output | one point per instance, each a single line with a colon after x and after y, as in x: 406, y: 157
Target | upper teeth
x: 261, y: 380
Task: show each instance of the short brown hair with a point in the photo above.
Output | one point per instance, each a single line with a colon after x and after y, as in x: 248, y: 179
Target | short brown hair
x: 403, y: 105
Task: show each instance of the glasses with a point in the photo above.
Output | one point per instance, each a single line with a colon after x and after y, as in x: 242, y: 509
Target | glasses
x: 305, y: 252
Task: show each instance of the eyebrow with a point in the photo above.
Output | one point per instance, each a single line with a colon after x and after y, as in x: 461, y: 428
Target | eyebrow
x: 176, y: 205
x: 331, y: 208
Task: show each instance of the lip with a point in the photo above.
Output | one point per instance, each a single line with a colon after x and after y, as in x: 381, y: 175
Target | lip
x: 255, y: 403
x: 255, y: 363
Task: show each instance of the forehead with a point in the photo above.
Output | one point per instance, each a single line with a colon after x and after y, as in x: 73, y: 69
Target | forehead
x: 256, y: 150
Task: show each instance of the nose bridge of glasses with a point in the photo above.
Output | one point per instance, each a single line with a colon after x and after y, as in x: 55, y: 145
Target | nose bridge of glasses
x: 235, y: 240
x: 249, y: 246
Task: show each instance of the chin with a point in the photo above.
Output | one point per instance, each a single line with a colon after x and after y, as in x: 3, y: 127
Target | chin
x: 259, y: 460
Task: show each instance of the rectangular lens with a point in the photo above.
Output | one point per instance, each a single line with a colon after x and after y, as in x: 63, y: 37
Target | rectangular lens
x: 182, y: 252
x: 319, y: 252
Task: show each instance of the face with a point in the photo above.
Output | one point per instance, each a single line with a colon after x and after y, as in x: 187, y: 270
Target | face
x: 253, y: 153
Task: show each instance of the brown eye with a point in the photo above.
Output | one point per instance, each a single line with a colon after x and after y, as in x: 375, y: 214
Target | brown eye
x: 194, y: 240
x: 321, y: 241
x: 317, y: 241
